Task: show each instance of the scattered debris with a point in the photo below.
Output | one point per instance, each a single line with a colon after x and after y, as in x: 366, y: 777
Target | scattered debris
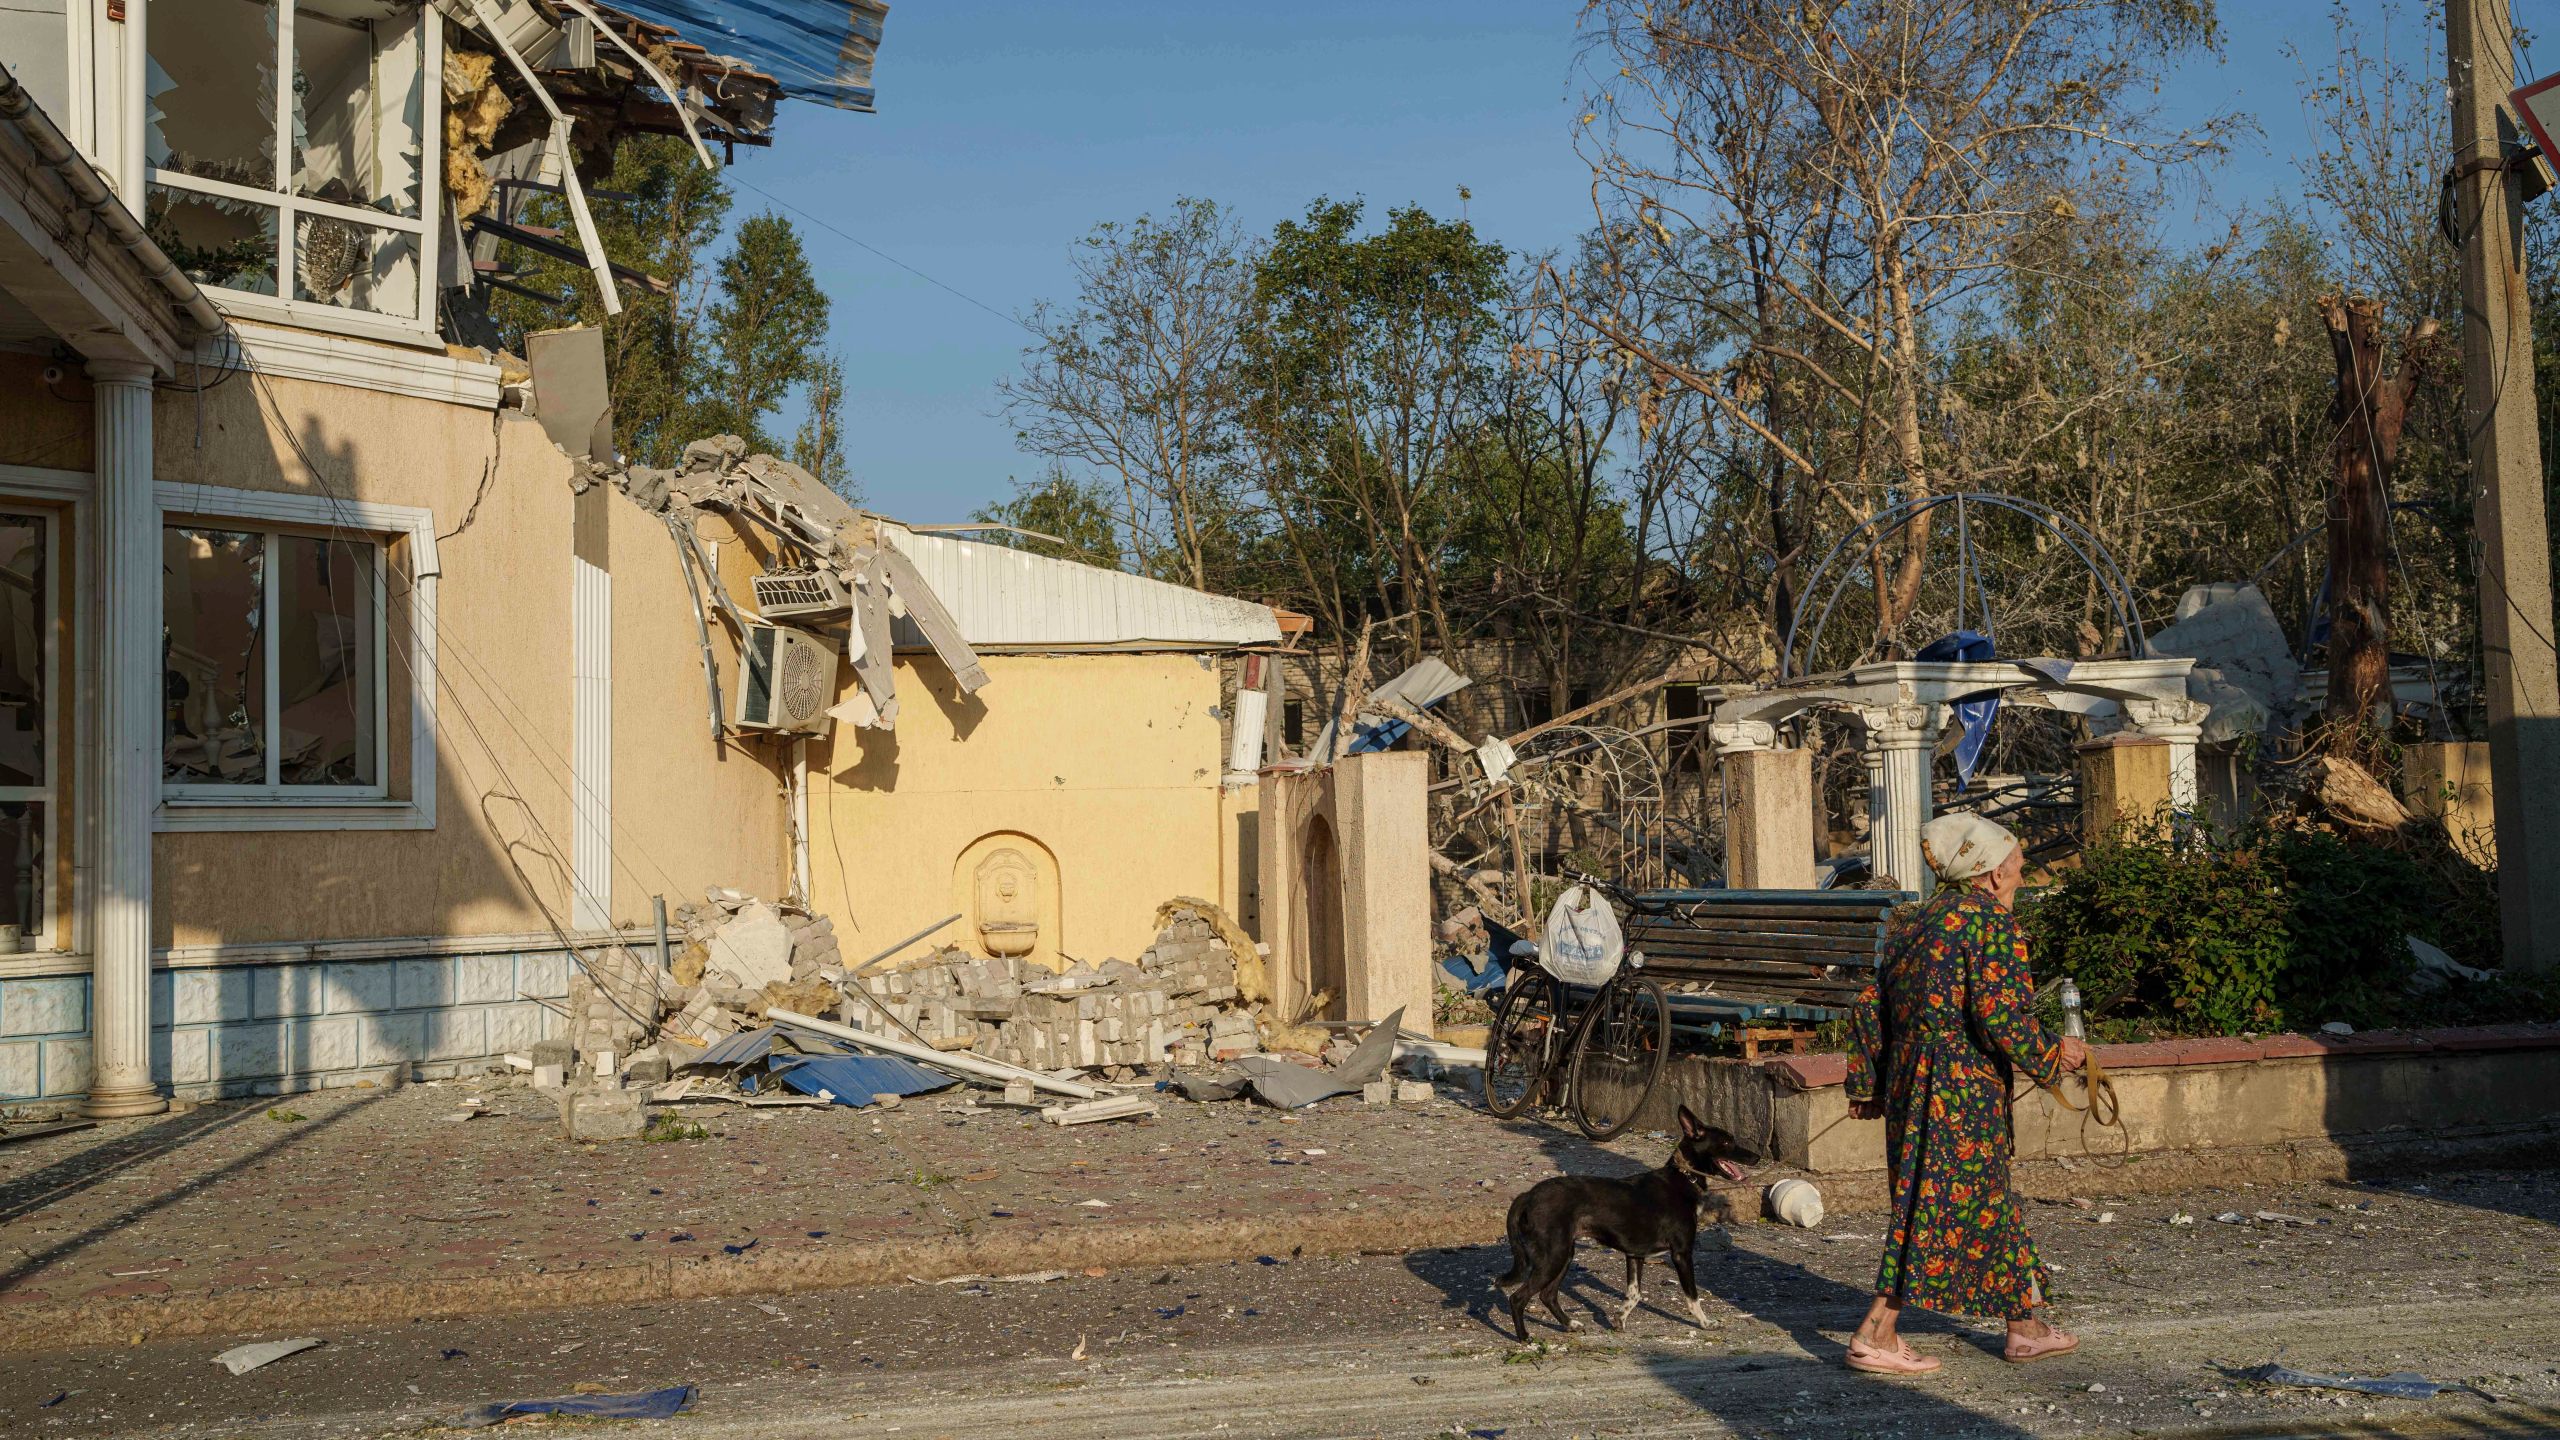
x: 1290, y: 1085
x: 646, y: 1405
x: 2400, y: 1385
x: 241, y: 1359
x: 1124, y: 1107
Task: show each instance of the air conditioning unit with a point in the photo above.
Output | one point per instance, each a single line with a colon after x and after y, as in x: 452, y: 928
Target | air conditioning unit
x: 781, y: 594
x: 786, y: 681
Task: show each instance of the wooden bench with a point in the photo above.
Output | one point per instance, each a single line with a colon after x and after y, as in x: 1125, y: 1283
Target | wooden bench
x: 1803, y: 952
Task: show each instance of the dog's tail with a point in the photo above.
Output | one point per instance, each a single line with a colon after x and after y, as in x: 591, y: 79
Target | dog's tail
x: 1511, y: 1226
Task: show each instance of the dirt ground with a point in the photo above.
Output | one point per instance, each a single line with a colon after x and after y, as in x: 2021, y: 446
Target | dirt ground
x: 2446, y: 1275
x: 383, y: 1187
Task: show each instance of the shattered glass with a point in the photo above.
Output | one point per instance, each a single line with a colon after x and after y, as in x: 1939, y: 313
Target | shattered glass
x: 214, y: 678
x: 24, y: 609
x: 216, y: 239
x: 359, y: 98
x: 213, y: 91
x: 325, y: 662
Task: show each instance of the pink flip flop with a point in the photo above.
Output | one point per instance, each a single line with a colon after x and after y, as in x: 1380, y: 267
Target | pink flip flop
x: 1900, y: 1360
x: 2053, y: 1342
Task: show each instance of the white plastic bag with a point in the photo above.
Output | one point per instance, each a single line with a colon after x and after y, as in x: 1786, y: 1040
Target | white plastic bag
x: 1582, y: 945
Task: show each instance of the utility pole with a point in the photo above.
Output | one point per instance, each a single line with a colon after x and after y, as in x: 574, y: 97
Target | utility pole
x: 2521, y: 672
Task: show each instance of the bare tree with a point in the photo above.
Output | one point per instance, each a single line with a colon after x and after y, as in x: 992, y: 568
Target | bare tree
x: 1135, y: 381
x: 1859, y: 170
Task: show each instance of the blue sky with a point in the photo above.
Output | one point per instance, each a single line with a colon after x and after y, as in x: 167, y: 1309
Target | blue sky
x: 1006, y: 130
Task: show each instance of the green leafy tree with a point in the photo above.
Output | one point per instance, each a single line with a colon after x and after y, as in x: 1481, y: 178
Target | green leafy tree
x: 1364, y: 358
x: 1066, y: 519
x: 767, y: 324
x: 819, y: 447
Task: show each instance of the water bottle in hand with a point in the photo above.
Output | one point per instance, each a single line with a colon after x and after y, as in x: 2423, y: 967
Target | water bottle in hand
x: 2071, y: 1024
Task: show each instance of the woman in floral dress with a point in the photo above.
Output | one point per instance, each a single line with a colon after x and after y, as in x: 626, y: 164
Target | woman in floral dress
x: 1938, y: 1038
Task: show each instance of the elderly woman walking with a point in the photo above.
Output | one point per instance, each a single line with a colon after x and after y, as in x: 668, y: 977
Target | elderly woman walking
x: 1938, y: 1038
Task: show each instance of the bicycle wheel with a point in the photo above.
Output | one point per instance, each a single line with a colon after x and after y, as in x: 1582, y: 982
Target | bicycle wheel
x: 1618, y: 1057
x: 1521, y: 1051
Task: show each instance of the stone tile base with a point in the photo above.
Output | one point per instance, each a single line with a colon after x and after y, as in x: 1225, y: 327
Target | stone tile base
x: 274, y: 1029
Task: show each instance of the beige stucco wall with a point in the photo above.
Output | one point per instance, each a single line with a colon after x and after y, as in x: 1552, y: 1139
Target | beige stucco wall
x: 1110, y: 763
x: 688, y: 811
x: 40, y: 424
x: 497, y: 860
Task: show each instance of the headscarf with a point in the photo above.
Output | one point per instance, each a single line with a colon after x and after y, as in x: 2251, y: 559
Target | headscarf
x: 1962, y: 845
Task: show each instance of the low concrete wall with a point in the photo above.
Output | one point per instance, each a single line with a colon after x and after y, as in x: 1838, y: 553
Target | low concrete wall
x: 269, y: 1029
x: 2225, y: 1093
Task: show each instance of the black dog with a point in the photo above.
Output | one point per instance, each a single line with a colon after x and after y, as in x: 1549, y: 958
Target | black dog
x: 1655, y: 1211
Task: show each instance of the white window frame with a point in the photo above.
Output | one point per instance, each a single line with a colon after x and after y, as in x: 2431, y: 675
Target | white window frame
x: 313, y: 314
x: 409, y: 652
x: 49, y: 513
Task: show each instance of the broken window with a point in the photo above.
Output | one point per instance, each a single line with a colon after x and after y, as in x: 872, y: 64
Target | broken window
x: 26, y: 752
x: 320, y: 179
x: 274, y: 676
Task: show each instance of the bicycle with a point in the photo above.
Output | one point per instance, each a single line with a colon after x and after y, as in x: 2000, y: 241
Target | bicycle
x: 1601, y: 1064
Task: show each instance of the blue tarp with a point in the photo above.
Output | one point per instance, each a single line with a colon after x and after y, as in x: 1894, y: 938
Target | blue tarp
x: 1497, y: 963
x: 647, y: 1405
x: 1974, y: 715
x: 819, y: 50
x: 854, y: 1079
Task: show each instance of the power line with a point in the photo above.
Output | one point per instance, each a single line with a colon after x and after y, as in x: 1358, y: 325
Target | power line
x: 875, y: 250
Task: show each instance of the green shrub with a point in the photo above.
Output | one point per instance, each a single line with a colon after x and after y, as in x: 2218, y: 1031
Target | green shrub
x: 2267, y: 928
x: 2192, y: 938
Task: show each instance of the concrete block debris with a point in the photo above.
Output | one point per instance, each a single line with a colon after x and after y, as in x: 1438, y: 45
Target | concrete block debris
x: 241, y: 1359
x: 1119, y: 1107
x: 595, y: 1116
x: 742, y: 969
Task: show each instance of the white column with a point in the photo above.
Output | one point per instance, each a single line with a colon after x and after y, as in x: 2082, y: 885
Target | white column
x: 2181, y: 723
x: 126, y: 588
x: 591, y: 712
x: 1768, y: 823
x: 1899, y: 739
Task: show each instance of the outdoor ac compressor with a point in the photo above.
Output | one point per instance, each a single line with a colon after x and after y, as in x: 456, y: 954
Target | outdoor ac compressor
x: 786, y: 681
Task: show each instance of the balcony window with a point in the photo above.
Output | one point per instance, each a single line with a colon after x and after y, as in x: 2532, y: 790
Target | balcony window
x: 309, y: 196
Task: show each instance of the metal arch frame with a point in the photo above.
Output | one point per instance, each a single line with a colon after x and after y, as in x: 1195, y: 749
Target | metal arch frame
x: 2095, y: 558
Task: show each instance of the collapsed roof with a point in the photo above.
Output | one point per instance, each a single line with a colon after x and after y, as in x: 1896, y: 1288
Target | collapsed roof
x: 539, y: 94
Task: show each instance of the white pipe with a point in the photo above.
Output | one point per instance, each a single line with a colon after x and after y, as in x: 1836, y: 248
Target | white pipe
x: 957, y: 1060
x: 1244, y: 756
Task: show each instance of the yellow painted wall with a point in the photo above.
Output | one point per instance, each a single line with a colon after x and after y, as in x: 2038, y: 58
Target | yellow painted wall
x: 1110, y: 762
x: 497, y: 861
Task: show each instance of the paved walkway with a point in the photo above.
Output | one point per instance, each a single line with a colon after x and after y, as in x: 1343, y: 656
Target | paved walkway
x: 383, y: 1188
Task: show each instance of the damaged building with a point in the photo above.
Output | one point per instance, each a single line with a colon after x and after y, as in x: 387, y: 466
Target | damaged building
x: 369, y: 719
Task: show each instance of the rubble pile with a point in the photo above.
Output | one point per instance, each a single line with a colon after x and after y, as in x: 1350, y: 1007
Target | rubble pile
x: 1189, y: 999
x: 1180, y: 1002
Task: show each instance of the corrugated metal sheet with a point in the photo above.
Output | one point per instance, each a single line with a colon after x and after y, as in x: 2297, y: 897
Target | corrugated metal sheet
x: 819, y: 50
x: 1006, y: 599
